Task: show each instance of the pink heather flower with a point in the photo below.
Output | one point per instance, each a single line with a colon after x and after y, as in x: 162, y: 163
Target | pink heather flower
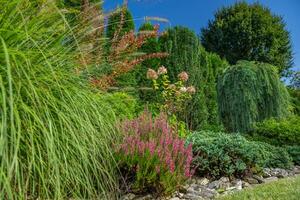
x: 183, y: 76
x: 151, y: 146
x: 181, y: 147
x: 183, y: 89
x: 151, y: 74
x: 172, y: 166
x: 141, y: 147
x: 157, y: 169
x: 162, y: 70
x: 191, y: 90
x: 187, y: 171
x: 176, y: 146
x: 159, y: 153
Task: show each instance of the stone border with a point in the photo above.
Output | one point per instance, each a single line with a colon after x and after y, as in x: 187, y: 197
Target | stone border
x: 202, y: 188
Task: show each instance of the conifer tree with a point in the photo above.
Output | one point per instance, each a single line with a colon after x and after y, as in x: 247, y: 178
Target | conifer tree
x: 250, y: 92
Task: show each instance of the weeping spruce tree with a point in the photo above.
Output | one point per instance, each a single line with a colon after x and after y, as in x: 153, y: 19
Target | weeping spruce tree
x: 250, y: 92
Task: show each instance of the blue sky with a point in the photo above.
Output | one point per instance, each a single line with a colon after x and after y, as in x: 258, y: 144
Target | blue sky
x: 196, y: 13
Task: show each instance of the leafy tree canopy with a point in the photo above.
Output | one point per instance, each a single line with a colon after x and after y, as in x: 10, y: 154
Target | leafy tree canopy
x: 249, y: 32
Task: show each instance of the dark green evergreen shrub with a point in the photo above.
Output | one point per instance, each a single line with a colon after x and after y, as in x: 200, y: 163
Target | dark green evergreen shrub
x: 294, y: 152
x: 250, y: 92
x: 186, y: 54
x: 218, y: 154
x: 278, y: 132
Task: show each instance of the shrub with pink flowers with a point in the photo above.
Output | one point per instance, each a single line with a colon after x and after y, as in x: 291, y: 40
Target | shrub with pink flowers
x: 171, y: 96
x: 152, y: 151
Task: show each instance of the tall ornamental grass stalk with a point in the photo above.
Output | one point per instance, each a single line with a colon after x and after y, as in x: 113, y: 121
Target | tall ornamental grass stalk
x: 55, y: 135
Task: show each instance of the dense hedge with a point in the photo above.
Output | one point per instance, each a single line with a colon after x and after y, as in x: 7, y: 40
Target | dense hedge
x: 250, y: 92
x: 294, y: 152
x: 279, y: 132
x: 219, y: 154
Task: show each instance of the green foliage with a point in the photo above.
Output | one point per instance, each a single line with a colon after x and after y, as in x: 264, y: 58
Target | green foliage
x: 115, y: 23
x: 150, y: 46
x: 295, y: 100
x: 249, y: 32
x: 250, y: 92
x: 56, y: 136
x: 186, y: 54
x: 279, y: 132
x: 123, y: 105
x: 171, y: 96
x: 294, y: 152
x: 219, y: 154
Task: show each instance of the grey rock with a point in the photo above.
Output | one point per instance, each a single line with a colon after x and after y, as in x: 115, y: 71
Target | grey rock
x: 192, y: 197
x: 296, y: 169
x: 208, y: 193
x: 245, y: 184
x: 280, y: 173
x: 224, y: 179
x: 238, y: 184
x: 270, y: 179
x: 184, y: 188
x: 147, y: 197
x: 224, y: 185
x: 193, y: 191
x: 260, y: 179
x: 129, y: 196
x: 214, y: 185
x: 203, y: 181
x: 251, y: 180
x: 266, y: 172
x: 291, y: 173
x: 175, y: 198
x: 231, y: 188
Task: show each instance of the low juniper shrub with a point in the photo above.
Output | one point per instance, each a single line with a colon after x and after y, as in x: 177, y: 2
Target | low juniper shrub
x: 153, y: 154
x: 294, y: 152
x: 219, y: 154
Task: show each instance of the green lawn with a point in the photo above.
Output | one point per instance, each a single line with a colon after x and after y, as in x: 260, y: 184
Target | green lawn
x: 285, y: 189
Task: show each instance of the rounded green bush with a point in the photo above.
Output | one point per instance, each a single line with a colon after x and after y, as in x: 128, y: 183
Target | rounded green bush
x: 218, y: 154
x: 279, y: 132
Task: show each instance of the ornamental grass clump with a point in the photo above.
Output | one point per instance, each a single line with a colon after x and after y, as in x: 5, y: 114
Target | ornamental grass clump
x: 152, y: 151
x: 56, y: 135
